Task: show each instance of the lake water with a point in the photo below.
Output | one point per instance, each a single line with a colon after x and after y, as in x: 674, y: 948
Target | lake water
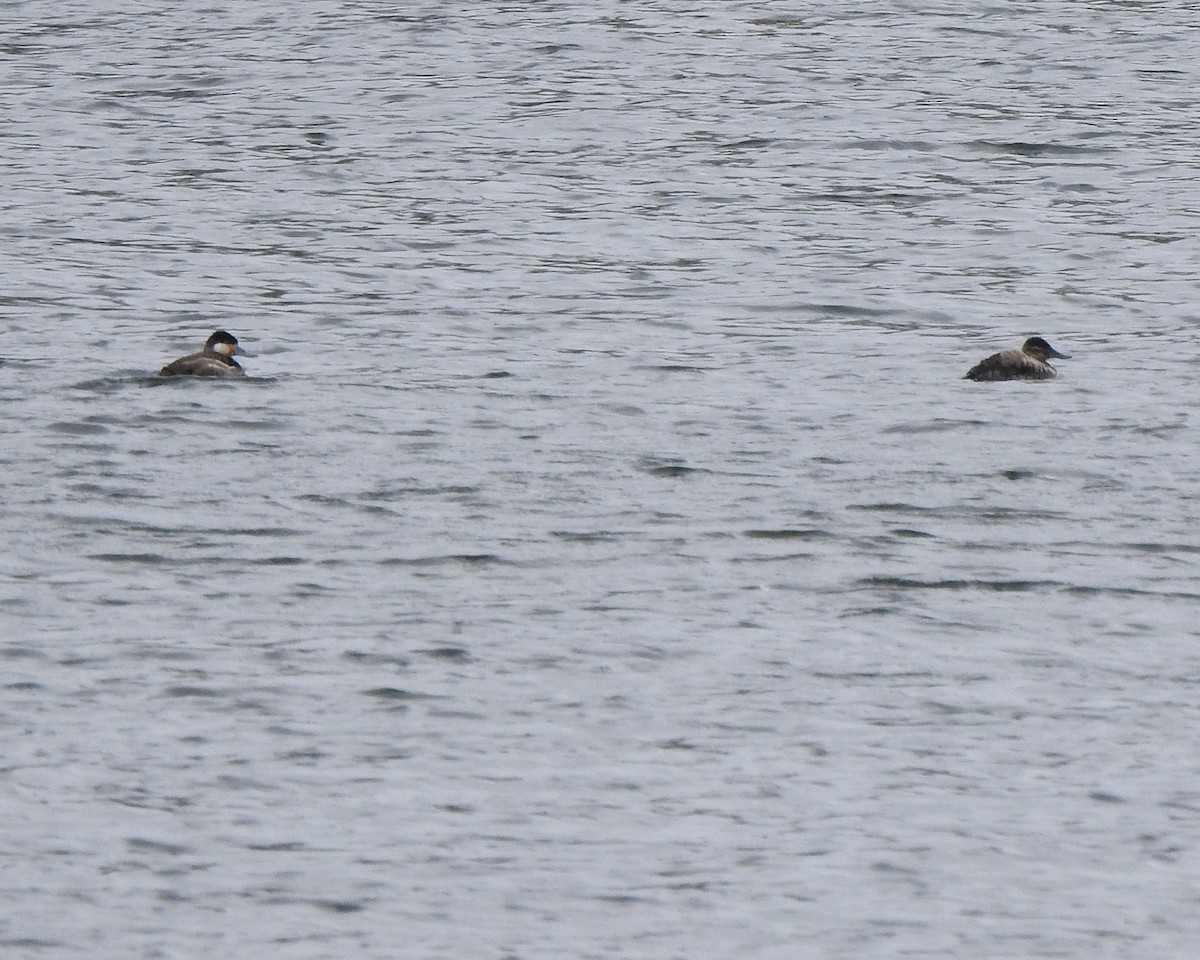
x: 604, y: 557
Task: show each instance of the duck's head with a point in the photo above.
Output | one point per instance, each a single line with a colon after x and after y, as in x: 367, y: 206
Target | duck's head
x: 225, y: 344
x: 1039, y: 349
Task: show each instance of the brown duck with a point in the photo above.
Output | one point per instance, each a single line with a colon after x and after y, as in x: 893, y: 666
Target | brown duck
x: 1028, y: 363
x: 215, y: 360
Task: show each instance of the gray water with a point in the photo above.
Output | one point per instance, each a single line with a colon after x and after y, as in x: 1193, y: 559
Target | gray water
x: 604, y: 557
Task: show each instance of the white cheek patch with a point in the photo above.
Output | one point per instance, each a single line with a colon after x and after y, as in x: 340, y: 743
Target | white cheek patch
x: 224, y: 349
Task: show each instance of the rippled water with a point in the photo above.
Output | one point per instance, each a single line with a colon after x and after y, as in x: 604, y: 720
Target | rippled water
x: 604, y: 557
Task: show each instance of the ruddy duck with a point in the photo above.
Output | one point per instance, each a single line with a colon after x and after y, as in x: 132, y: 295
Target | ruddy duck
x: 215, y: 360
x: 1028, y: 363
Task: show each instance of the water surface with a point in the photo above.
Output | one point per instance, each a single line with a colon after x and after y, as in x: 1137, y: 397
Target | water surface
x: 604, y: 557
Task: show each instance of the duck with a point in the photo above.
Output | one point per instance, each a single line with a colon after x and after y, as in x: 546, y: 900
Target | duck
x: 1028, y: 363
x: 215, y: 360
